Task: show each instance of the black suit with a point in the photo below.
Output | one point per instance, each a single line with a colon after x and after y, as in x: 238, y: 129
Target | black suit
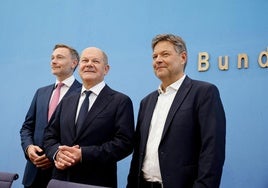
x: 32, y: 130
x: 105, y: 138
x: 192, y: 148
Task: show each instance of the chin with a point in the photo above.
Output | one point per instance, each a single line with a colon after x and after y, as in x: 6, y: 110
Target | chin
x: 54, y: 72
x: 87, y: 78
x: 159, y: 74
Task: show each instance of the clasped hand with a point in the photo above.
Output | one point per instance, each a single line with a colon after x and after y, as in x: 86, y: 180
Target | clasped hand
x: 67, y: 156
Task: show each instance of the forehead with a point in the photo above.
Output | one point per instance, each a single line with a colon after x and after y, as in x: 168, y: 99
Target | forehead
x: 92, y: 53
x: 163, y: 46
x: 62, y: 51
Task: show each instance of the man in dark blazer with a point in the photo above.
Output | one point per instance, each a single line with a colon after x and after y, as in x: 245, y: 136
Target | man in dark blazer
x: 64, y: 61
x: 88, y: 152
x: 180, y: 134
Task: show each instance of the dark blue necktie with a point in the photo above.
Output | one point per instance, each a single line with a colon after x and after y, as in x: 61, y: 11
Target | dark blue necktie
x: 83, y: 112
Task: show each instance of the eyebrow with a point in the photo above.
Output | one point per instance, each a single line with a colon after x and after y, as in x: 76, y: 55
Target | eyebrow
x: 164, y: 51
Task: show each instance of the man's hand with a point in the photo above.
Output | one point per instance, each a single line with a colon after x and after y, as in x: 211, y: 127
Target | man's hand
x: 35, y: 154
x: 67, y: 156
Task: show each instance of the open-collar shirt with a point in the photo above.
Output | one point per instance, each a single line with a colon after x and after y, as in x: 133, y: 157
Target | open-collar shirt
x: 151, y: 168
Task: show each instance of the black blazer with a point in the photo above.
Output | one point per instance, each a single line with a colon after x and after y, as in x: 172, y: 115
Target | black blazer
x: 192, y: 147
x: 32, y: 130
x: 105, y: 138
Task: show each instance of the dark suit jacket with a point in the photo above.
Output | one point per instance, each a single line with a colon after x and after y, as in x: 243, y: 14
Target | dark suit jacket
x: 32, y: 130
x: 192, y: 147
x: 105, y: 138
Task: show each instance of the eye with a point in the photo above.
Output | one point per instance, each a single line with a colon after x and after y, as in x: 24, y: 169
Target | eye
x: 154, y: 57
x: 165, y: 54
x: 95, y: 61
x: 83, y: 60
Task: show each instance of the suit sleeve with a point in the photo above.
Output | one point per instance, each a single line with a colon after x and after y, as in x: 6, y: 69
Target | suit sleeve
x: 28, y: 127
x: 212, y: 124
x: 133, y: 176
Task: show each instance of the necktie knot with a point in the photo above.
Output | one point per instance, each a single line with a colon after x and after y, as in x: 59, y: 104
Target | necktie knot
x: 87, y: 94
x: 59, y: 85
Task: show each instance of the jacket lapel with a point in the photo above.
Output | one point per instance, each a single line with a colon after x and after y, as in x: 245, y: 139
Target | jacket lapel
x: 179, y: 98
x: 101, y: 102
x: 70, y: 113
x: 75, y: 87
x: 46, y: 98
x: 148, y: 117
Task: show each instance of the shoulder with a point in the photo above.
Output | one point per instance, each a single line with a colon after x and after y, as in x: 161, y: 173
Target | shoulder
x: 204, y: 89
x: 150, y: 96
x: 114, y: 93
x: 45, y: 89
x: 77, y: 83
x: 111, y: 91
x: 199, y: 84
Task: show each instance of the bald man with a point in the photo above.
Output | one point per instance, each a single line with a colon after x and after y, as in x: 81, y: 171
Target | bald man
x: 86, y: 151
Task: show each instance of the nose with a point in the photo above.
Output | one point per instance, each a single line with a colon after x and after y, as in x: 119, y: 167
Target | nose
x: 89, y: 64
x: 158, y: 59
x: 53, y: 60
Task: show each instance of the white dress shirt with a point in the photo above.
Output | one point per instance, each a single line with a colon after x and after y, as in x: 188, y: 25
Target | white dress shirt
x: 151, y: 168
x: 92, y: 97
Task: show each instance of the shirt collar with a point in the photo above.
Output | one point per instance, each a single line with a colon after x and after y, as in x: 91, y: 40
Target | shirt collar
x: 174, y: 86
x: 95, y: 89
x: 67, y: 82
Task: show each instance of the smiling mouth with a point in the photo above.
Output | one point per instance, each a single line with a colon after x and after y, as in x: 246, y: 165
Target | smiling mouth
x: 89, y: 71
x: 157, y: 68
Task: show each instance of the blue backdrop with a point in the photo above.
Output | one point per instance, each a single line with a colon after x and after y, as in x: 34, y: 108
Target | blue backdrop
x: 124, y: 29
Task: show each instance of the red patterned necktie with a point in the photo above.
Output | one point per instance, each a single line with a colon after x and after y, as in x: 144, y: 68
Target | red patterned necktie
x: 55, y: 100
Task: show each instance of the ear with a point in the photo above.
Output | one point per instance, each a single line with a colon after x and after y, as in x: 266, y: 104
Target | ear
x: 106, y: 68
x: 74, y: 64
x: 184, y: 57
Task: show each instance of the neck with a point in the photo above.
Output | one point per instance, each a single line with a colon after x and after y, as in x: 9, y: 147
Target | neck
x: 167, y: 82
